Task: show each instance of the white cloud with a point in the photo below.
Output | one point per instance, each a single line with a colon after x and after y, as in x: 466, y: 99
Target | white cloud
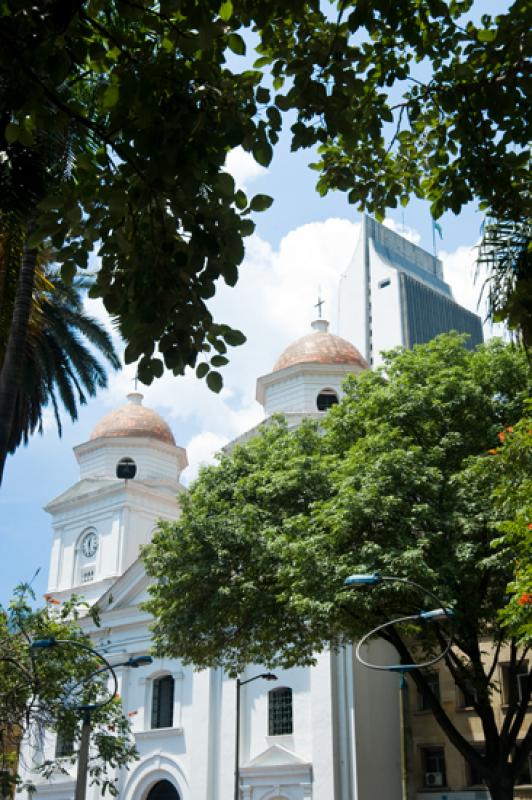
x: 243, y: 167
x: 201, y: 451
x: 459, y: 271
x: 273, y: 303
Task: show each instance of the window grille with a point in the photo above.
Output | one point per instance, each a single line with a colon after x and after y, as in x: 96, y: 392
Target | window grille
x: 162, y: 707
x: 64, y: 746
x: 280, y: 719
x: 433, y: 763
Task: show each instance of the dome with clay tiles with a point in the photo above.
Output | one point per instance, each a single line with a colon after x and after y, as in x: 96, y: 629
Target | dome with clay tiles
x: 320, y: 347
x: 133, y: 419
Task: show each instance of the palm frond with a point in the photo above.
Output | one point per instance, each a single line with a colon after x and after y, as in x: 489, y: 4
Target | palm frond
x: 506, y: 254
x: 65, y: 354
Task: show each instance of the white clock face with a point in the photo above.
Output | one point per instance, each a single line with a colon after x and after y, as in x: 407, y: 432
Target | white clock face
x: 89, y: 544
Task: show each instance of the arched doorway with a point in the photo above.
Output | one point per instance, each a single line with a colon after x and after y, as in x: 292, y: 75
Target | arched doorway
x: 163, y: 790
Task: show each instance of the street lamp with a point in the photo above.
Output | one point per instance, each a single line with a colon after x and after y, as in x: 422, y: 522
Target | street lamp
x: 434, y: 615
x: 266, y: 676
x: 86, y: 709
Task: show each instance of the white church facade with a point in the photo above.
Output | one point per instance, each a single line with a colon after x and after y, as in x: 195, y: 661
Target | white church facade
x: 327, y: 732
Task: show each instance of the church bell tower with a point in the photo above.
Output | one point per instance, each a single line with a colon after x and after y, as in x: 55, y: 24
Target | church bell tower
x: 129, y: 478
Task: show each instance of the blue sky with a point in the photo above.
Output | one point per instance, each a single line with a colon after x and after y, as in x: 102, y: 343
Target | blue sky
x: 302, y: 243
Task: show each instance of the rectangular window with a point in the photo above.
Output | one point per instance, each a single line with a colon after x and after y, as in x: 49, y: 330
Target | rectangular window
x: 87, y: 575
x: 64, y: 746
x: 162, y: 704
x: 280, y: 720
x: 433, y: 766
x: 467, y: 695
x: 433, y: 680
x: 513, y: 683
x: 474, y: 777
x: 525, y: 776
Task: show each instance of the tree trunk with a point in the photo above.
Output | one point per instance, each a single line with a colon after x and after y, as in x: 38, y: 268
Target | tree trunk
x: 11, y: 369
x: 501, y: 788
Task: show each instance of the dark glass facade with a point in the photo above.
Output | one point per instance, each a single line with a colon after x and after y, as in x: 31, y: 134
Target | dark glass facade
x: 427, y: 313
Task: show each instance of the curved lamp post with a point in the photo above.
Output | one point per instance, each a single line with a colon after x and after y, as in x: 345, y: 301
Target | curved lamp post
x: 87, y: 709
x: 266, y: 676
x: 437, y: 614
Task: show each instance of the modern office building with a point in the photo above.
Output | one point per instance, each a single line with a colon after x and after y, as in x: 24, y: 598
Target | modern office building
x: 393, y: 293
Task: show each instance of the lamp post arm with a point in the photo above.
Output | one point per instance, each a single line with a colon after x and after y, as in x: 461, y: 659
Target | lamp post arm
x: 106, y: 668
x: 249, y: 680
x: 422, y: 589
x: 397, y: 667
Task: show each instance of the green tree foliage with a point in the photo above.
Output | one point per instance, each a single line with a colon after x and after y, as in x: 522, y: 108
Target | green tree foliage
x: 513, y: 495
x: 116, y: 118
x: 397, y: 481
x: 408, y: 98
x: 37, y: 693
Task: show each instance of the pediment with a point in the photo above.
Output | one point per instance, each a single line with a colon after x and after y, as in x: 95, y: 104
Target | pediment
x: 127, y: 591
x: 81, y: 491
x: 277, y: 756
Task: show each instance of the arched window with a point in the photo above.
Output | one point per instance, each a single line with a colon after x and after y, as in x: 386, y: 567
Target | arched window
x: 280, y: 720
x: 126, y: 469
x: 163, y: 790
x: 326, y: 399
x: 162, y: 702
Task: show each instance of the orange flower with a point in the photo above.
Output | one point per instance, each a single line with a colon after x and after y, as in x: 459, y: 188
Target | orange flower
x: 525, y: 599
x: 493, y: 451
x: 510, y: 429
x: 501, y: 436
x: 52, y: 600
x: 530, y: 526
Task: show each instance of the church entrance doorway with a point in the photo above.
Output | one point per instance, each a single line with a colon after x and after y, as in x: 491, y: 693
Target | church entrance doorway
x: 163, y: 790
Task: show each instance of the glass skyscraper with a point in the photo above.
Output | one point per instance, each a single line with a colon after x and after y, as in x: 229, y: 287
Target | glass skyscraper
x: 393, y: 293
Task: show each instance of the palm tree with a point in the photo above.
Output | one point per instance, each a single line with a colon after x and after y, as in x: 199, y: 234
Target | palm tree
x: 61, y: 362
x: 506, y: 252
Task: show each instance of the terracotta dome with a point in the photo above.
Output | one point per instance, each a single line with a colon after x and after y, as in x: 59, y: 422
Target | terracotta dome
x: 134, y: 419
x: 320, y: 347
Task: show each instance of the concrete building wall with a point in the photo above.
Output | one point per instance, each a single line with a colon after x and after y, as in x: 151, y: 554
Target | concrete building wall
x: 427, y: 733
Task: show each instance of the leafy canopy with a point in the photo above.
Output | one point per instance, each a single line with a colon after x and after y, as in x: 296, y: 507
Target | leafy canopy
x: 513, y: 496
x: 38, y: 692
x: 394, y: 482
x: 116, y: 119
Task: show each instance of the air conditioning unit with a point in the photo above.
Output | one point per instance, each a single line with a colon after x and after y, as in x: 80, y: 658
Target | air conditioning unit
x: 433, y: 779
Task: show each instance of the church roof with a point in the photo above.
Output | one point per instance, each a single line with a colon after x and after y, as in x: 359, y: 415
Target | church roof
x: 134, y: 419
x: 320, y: 347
